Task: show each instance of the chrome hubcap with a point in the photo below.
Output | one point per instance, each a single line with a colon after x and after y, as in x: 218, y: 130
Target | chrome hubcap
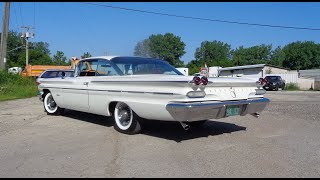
x: 124, y: 115
x: 50, y: 103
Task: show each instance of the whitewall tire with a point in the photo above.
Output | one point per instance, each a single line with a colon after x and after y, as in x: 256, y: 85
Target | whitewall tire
x: 50, y: 105
x: 126, y: 120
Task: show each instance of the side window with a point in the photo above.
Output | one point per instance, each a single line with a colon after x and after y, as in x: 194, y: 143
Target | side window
x: 50, y: 74
x: 105, y: 68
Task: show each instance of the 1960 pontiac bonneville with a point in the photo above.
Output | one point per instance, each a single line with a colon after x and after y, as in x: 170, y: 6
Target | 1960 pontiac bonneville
x: 134, y: 89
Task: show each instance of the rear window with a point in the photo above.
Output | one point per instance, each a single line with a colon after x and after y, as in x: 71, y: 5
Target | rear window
x: 273, y: 78
x: 54, y: 74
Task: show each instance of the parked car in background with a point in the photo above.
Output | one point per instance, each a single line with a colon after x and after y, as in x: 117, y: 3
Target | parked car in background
x: 135, y: 89
x: 274, y: 83
x: 15, y: 70
x: 54, y: 73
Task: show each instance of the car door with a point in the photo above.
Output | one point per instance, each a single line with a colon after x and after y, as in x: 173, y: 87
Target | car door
x: 75, y: 91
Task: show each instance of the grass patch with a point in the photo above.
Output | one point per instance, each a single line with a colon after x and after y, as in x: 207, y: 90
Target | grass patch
x: 291, y: 87
x: 14, y: 86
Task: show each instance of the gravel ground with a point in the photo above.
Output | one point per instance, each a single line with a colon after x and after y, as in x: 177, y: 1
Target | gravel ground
x: 283, y: 142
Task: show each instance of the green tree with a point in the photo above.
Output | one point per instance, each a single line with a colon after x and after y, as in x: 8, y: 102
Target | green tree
x: 214, y: 53
x: 59, y: 59
x: 86, y: 55
x: 143, y: 49
x: 15, y: 48
x: 194, y: 66
x: 252, y: 55
x: 36, y: 57
x: 42, y: 47
x: 167, y: 47
x: 277, y: 57
x: 301, y: 55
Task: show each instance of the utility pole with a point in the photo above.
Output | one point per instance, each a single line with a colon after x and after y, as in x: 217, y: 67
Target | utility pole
x: 4, y: 35
x: 26, y: 35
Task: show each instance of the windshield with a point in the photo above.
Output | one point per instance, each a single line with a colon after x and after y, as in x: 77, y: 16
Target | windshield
x: 139, y: 65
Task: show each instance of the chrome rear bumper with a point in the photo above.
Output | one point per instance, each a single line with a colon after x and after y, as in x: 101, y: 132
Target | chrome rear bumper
x: 213, y: 110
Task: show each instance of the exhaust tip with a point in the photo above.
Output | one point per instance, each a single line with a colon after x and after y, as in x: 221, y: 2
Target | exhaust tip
x: 256, y: 114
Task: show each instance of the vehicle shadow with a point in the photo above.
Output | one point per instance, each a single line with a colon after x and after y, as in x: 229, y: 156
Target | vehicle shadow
x: 91, y: 118
x: 174, y: 131
x: 164, y: 129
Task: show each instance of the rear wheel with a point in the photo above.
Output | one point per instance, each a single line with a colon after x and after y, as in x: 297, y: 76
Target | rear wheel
x: 50, y: 105
x: 126, y: 120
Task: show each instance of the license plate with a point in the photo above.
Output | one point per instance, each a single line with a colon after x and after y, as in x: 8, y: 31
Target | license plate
x: 233, y: 110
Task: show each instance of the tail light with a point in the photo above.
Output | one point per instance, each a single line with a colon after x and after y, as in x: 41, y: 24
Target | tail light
x: 196, y: 80
x: 204, y: 80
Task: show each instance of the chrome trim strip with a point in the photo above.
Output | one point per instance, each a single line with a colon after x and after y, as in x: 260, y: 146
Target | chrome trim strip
x: 137, y: 92
x: 114, y: 81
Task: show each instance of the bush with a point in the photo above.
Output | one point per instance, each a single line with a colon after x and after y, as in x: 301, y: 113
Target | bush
x: 14, y: 86
x: 292, y: 87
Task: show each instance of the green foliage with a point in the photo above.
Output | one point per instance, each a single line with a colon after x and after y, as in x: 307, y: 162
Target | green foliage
x: 301, y: 55
x: 86, y: 55
x: 194, y: 66
x: 14, y: 86
x: 15, y: 49
x: 291, y: 87
x: 252, y: 55
x: 215, y: 53
x: 168, y: 47
x: 41, y: 47
x: 39, y: 53
x: 277, y: 57
x: 143, y: 49
x: 60, y: 59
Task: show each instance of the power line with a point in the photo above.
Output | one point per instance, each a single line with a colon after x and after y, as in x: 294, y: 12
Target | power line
x: 205, y: 19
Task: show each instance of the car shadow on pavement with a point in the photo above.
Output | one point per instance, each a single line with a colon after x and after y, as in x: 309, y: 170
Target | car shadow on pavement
x: 92, y: 118
x: 164, y: 129
x: 174, y: 131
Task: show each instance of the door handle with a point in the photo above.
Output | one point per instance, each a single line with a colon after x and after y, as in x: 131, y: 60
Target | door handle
x: 85, y: 83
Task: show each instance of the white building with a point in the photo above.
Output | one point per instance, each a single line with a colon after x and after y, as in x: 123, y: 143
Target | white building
x: 255, y: 71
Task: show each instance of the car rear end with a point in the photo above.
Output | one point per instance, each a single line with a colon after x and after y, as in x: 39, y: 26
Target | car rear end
x: 218, y: 98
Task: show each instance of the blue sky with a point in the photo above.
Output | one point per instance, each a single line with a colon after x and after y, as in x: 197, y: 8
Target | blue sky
x: 75, y: 28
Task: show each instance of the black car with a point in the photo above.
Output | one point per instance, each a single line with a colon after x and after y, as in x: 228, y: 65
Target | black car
x: 274, y: 83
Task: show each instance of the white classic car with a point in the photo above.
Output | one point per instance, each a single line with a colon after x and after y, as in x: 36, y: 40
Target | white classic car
x: 134, y: 89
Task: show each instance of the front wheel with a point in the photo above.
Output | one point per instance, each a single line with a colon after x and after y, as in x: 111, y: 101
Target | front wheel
x: 50, y: 105
x: 126, y: 120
